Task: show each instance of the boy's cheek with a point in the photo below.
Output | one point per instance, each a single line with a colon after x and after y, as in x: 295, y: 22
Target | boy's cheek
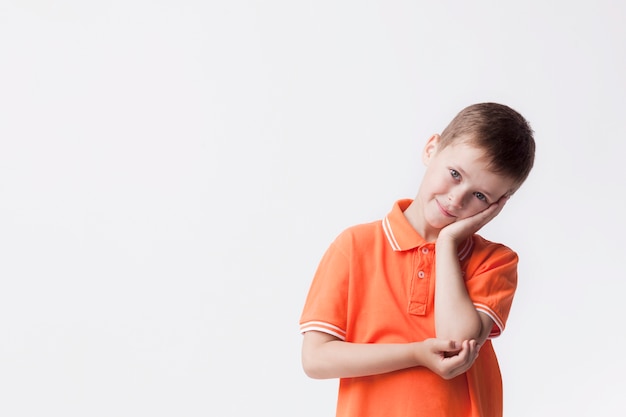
x: 470, y: 213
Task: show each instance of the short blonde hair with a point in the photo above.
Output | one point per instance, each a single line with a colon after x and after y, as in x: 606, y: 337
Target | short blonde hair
x: 503, y: 133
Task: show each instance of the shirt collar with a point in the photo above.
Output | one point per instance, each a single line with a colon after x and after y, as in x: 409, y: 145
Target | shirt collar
x: 401, y: 235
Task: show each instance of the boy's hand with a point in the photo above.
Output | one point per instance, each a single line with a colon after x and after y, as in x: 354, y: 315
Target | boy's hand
x: 463, y: 228
x: 446, y: 358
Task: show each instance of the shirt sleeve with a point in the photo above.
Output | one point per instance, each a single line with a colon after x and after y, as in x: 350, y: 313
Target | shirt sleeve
x: 326, y: 303
x: 491, y: 280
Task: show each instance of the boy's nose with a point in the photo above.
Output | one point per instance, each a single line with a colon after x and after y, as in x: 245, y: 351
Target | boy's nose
x: 456, y: 200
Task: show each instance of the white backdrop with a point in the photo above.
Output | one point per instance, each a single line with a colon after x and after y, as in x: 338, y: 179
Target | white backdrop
x: 172, y: 171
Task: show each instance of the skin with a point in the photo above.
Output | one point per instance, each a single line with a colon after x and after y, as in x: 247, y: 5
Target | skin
x: 457, y: 197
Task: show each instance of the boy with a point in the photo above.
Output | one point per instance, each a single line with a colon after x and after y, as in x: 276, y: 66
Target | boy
x: 399, y: 308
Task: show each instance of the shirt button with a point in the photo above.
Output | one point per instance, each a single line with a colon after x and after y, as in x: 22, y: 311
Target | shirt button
x: 424, y: 250
x: 421, y: 274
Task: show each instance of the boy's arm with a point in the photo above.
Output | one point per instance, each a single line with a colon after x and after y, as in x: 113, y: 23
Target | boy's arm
x: 325, y: 356
x: 456, y: 317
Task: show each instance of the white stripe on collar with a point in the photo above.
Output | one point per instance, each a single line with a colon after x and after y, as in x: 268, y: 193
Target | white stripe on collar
x: 389, y: 233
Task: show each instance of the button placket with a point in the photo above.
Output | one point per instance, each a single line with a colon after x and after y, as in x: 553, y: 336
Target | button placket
x: 420, y: 282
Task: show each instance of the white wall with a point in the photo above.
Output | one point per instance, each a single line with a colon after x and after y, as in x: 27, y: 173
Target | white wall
x: 172, y: 171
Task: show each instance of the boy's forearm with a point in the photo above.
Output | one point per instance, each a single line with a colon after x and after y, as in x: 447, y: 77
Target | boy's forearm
x: 324, y: 356
x: 456, y: 317
x: 338, y: 359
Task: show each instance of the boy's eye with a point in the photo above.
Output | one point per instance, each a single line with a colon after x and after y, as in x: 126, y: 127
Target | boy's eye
x: 480, y: 196
x: 455, y: 174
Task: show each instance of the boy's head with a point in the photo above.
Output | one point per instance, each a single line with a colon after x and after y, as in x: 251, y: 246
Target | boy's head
x: 501, y: 132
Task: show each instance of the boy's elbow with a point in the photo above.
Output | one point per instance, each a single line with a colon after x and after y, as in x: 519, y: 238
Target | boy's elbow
x: 314, y: 366
x: 473, y: 332
x: 311, y: 369
x: 314, y: 355
x: 468, y: 331
x: 310, y: 372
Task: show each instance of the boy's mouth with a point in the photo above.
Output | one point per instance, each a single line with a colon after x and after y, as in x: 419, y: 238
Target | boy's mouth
x: 443, y: 210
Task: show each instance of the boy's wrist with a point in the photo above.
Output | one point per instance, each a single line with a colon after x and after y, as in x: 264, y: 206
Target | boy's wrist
x: 444, y: 240
x: 419, y: 355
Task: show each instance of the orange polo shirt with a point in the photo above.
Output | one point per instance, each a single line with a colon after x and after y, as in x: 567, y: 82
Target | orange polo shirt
x: 376, y: 284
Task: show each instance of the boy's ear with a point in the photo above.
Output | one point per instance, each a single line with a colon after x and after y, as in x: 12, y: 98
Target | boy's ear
x: 431, y: 148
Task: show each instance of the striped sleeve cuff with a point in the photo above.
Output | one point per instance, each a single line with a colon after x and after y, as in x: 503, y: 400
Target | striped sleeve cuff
x: 323, y: 327
x: 498, y: 328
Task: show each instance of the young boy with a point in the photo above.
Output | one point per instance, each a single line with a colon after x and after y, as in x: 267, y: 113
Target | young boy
x: 399, y: 308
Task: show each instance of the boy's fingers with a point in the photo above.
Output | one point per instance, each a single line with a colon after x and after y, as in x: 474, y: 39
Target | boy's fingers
x: 447, y: 346
x: 464, y: 359
x: 457, y: 364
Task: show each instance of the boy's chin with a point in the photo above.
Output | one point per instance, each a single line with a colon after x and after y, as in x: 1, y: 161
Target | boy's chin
x: 439, y: 226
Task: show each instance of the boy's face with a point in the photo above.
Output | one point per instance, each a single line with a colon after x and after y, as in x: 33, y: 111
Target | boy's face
x: 457, y: 183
